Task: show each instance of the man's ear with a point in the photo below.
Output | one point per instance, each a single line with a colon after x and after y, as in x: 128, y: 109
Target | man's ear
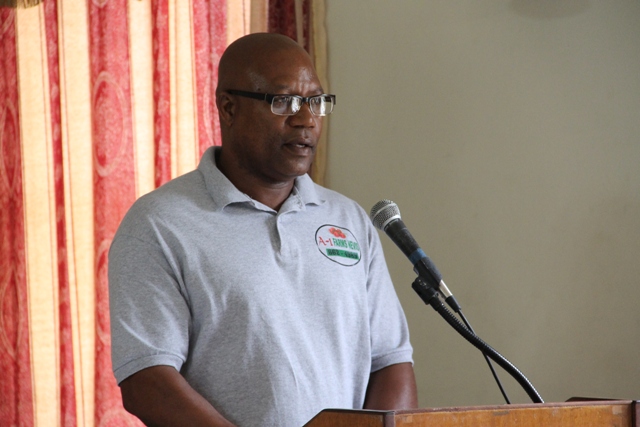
x: 226, y: 108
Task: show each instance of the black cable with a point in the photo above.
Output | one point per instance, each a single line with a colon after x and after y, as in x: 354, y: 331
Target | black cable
x: 455, y: 306
x: 430, y: 296
x: 493, y: 371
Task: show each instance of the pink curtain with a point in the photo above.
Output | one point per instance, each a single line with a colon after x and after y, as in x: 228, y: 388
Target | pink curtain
x: 291, y: 18
x: 113, y: 175
x: 15, y: 381
x: 67, y: 386
x: 100, y: 102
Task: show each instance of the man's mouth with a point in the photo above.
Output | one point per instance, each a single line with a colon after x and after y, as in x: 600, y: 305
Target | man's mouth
x: 301, y: 144
x: 301, y: 148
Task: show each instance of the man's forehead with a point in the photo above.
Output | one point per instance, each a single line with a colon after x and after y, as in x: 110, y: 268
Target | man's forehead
x: 285, y: 73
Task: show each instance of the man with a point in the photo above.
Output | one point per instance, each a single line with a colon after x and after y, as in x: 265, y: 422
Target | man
x: 244, y: 294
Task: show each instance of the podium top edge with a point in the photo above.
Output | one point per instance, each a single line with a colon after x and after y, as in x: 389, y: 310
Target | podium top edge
x: 569, y: 403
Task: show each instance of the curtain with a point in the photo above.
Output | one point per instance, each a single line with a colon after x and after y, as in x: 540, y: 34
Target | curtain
x: 101, y: 101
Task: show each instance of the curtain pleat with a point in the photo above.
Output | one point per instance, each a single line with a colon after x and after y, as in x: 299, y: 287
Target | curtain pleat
x: 209, y: 34
x: 39, y: 214
x: 161, y: 91
x: 114, y: 175
x: 77, y: 169
x: 142, y: 98
x: 16, y: 405
x: 67, y: 376
x: 100, y: 102
x: 291, y: 18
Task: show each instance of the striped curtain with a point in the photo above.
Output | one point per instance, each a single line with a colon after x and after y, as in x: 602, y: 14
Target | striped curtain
x: 101, y: 101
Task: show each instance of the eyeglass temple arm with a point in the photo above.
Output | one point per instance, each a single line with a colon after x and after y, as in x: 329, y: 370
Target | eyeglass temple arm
x: 261, y: 96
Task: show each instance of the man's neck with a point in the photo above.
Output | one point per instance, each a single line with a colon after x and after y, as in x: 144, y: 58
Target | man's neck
x: 272, y: 195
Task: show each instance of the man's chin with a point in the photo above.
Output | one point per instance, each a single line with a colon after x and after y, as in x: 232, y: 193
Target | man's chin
x: 299, y: 169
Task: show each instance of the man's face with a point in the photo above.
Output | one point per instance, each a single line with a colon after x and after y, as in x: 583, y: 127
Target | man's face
x: 276, y: 149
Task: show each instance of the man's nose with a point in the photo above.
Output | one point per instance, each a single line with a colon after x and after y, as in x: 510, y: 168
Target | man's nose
x: 304, y: 117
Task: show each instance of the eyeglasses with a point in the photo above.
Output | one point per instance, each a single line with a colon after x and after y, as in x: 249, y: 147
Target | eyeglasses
x: 288, y: 105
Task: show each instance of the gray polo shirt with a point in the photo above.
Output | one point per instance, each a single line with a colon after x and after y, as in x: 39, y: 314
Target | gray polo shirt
x: 271, y: 316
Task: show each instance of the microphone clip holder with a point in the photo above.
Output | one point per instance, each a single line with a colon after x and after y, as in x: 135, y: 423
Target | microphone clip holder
x: 425, y: 291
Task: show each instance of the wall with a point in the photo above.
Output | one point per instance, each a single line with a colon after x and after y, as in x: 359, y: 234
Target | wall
x: 508, y: 132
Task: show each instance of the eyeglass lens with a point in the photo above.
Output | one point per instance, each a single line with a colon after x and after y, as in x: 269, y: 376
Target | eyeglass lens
x: 287, y: 105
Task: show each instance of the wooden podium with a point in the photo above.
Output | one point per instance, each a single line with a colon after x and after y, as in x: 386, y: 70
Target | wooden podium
x: 609, y: 413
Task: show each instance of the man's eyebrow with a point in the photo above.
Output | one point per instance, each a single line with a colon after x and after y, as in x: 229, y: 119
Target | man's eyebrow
x: 291, y: 92
x: 284, y: 88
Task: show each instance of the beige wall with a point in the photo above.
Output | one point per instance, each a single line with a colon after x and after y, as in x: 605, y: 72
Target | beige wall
x: 508, y: 132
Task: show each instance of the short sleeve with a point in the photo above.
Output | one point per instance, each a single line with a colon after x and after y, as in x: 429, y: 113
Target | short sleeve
x: 149, y: 313
x: 389, y: 330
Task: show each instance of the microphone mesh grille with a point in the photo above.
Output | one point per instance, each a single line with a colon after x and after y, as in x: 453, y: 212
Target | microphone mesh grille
x: 382, y: 212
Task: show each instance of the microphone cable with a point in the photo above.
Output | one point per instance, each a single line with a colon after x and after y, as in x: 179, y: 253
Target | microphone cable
x: 493, y: 371
x: 455, y: 306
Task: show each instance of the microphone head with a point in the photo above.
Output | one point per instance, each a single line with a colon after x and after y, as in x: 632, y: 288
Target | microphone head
x: 383, y: 212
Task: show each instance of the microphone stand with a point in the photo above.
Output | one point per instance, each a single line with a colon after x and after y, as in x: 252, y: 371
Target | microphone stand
x: 430, y: 296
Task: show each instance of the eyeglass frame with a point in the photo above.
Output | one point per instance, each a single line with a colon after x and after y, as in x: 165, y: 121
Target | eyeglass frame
x: 269, y: 97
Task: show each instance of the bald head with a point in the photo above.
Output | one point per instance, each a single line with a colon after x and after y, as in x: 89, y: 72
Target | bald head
x: 247, y: 58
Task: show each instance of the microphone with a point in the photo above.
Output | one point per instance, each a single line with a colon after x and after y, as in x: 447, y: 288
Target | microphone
x: 385, y: 216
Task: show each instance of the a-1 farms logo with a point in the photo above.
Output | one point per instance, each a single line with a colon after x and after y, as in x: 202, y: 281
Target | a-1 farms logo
x: 338, y: 244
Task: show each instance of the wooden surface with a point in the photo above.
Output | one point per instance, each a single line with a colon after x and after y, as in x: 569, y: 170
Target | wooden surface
x: 348, y: 418
x: 573, y: 414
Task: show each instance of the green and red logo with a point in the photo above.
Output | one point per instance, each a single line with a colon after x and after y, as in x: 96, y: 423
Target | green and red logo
x: 338, y: 244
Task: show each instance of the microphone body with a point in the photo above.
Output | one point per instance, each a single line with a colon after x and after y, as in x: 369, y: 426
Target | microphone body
x: 422, y: 264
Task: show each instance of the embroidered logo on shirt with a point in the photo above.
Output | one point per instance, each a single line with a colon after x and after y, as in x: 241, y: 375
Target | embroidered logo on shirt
x: 338, y: 244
